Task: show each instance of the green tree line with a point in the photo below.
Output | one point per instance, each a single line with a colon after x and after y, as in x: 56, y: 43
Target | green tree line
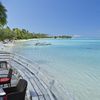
x: 64, y: 36
x: 16, y: 33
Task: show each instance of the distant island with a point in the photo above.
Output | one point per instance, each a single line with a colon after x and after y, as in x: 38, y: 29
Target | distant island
x: 17, y: 34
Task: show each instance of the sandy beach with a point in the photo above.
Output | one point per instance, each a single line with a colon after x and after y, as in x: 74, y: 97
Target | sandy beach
x: 9, y: 45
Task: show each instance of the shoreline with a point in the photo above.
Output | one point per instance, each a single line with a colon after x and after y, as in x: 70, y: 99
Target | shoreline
x: 9, y: 45
x: 22, y: 40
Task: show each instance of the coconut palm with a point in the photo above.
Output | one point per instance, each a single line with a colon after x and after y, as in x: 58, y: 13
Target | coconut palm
x: 3, y: 15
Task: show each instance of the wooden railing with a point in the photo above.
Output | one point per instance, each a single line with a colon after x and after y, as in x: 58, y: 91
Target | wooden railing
x: 49, y: 87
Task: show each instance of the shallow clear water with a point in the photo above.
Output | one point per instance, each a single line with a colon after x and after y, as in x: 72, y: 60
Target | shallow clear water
x: 75, y: 63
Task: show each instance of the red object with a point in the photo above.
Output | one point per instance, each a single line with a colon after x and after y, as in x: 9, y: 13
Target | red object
x: 5, y: 98
x: 4, y: 80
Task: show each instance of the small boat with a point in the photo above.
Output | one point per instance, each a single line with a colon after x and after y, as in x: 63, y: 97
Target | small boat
x: 42, y: 44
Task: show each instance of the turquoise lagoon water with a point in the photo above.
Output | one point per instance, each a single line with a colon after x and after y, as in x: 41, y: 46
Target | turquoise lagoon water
x: 75, y: 63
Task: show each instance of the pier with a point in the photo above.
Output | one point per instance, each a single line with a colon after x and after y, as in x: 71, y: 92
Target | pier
x: 41, y: 86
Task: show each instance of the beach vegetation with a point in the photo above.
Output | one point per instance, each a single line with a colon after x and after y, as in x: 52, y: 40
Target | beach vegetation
x: 16, y: 34
x: 65, y: 36
x: 3, y: 15
x: 62, y: 36
x: 40, y: 35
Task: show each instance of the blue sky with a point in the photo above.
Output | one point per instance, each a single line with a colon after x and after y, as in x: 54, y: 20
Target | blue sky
x: 79, y: 17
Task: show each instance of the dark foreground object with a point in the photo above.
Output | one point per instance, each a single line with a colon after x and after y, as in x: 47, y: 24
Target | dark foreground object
x: 18, y: 92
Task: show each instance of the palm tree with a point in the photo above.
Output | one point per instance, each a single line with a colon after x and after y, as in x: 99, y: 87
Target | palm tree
x: 3, y: 15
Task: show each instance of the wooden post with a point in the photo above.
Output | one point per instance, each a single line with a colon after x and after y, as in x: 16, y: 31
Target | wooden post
x: 52, y: 84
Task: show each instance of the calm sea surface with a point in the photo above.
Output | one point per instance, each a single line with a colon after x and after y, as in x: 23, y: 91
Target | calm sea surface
x: 75, y: 63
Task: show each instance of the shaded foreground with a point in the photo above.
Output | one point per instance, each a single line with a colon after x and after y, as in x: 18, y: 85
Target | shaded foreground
x: 40, y: 85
